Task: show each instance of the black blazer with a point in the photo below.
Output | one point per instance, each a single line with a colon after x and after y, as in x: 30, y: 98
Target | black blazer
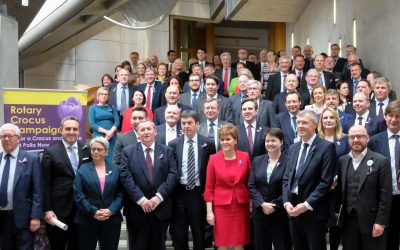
x: 274, y: 86
x: 136, y: 184
x: 113, y: 94
x: 205, y: 148
x: 58, y: 177
x: 89, y: 198
x: 374, y: 189
x: 285, y: 124
x: 157, y: 93
x: 339, y: 66
x: 252, y: 67
x: 159, y: 113
x: 258, y: 144
x: 316, y: 178
x: 373, y: 125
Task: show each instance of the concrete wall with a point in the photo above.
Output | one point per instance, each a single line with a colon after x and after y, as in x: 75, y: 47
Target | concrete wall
x: 377, y: 36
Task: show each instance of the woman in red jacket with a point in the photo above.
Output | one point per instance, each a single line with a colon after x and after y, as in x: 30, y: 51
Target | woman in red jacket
x: 226, y: 193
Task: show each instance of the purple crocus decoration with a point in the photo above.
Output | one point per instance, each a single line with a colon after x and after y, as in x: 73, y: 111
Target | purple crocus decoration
x: 70, y: 107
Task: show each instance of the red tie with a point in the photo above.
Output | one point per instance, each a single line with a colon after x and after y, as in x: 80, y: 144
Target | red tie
x: 148, y: 97
x: 170, y: 67
x: 149, y: 165
x: 226, y: 84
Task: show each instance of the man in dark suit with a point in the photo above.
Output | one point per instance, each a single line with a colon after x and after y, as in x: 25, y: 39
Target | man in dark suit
x: 201, y: 59
x: 339, y: 61
x: 242, y: 57
x: 306, y: 184
x: 172, y: 98
x: 353, y: 58
x: 148, y: 176
x: 59, y: 164
x: 276, y: 83
x: 266, y: 108
x: 291, y: 85
x: 171, y: 128
x: 190, y: 97
x: 120, y: 94
x: 211, y: 85
x: 308, y: 57
x: 332, y: 98
x: 192, y: 152
x: 210, y: 127
x: 326, y: 78
x: 138, y: 114
x: 387, y: 143
x: 299, y: 69
x: 251, y: 134
x: 287, y: 120
x: 21, y: 192
x: 226, y: 73
x: 366, y: 183
x: 329, y: 65
x: 152, y: 90
x: 382, y: 89
x: 355, y: 77
x: 372, y: 123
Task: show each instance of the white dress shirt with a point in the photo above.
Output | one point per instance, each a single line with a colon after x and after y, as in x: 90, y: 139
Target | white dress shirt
x: 364, y: 118
x: 385, y: 104
x: 356, y: 160
x: 170, y: 134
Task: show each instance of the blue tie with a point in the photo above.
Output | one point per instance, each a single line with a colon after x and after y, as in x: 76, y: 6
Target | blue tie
x: 194, y: 101
x: 300, y: 167
x: 72, y: 158
x: 294, y: 119
x: 355, y: 82
x: 4, y: 182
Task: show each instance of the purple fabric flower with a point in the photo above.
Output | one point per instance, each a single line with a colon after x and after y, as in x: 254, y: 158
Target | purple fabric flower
x: 70, y: 107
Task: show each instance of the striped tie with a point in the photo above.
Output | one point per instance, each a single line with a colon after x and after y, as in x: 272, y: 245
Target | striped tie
x: 191, y: 170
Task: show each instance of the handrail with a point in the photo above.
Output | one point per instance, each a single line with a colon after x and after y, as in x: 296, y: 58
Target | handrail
x: 132, y: 27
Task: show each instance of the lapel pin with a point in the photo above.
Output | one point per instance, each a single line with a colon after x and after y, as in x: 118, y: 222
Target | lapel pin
x: 23, y: 160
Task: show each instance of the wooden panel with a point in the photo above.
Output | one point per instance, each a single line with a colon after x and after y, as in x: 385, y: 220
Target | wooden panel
x: 210, y: 42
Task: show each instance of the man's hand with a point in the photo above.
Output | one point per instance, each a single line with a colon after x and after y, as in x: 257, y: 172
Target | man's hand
x: 146, y: 206
x: 299, y: 209
x: 49, y: 215
x: 289, y: 209
x: 210, y: 218
x: 377, y: 230
x: 35, y: 225
x: 268, y: 208
x: 99, y: 215
x: 155, y: 201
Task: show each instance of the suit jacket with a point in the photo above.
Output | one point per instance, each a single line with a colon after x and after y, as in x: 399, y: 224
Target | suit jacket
x: 262, y: 190
x: 186, y: 98
x: 123, y: 140
x: 162, y: 131
x: 373, y: 125
x: 279, y: 100
x: 112, y: 98
x: 89, y: 198
x: 339, y: 66
x: 285, y: 124
x: 342, y: 146
x: 274, y: 86
x: 266, y: 113
x: 258, y: 140
x: 137, y: 185
x: 316, y: 178
x: 225, y: 109
x: 329, y: 80
x: 219, y: 187
x: 157, y: 93
x: 205, y: 148
x: 59, y: 177
x: 28, y: 190
x: 203, y: 130
x: 346, y: 76
x: 380, y: 143
x: 159, y: 113
x: 219, y: 73
x: 374, y: 189
x: 252, y: 67
x: 236, y: 101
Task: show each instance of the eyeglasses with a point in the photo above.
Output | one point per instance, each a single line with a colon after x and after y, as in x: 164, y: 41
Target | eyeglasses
x: 97, y: 149
x: 3, y: 137
x: 358, y: 137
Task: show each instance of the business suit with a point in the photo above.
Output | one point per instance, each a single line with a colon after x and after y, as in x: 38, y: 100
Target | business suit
x: 339, y: 64
x: 236, y: 102
x: 346, y: 76
x: 203, y: 130
x: 250, y: 66
x: 158, y: 88
x: 162, y: 131
x: 123, y: 140
x: 372, y: 190
x: 220, y: 73
x: 379, y: 143
x: 279, y: 101
x: 314, y: 182
x: 112, y: 98
x: 374, y: 124
x: 159, y: 113
x: 186, y: 98
x: 148, y: 229
x: 272, y: 228
x: 89, y: 198
x: 225, y: 109
x: 284, y: 122
x: 58, y: 177
x: 189, y: 206
x: 329, y: 80
x: 27, y: 201
x: 266, y: 113
x: 258, y: 140
x: 274, y: 86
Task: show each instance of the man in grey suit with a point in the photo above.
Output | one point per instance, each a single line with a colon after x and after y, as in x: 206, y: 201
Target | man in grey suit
x: 210, y: 127
x: 266, y: 108
x: 211, y: 85
x: 366, y: 183
x: 138, y: 114
x: 190, y: 98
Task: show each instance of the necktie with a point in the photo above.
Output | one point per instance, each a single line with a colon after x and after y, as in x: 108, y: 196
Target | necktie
x: 226, y: 84
x: 250, y: 136
x: 149, y: 165
x: 170, y: 67
x: 397, y: 157
x: 264, y: 74
x: 123, y: 101
x: 355, y: 82
x: 72, y: 158
x: 194, y: 101
x: 148, y: 97
x: 4, y: 182
x: 283, y: 83
x: 321, y: 79
x: 294, y: 120
x: 381, y: 109
x: 191, y: 171
x: 360, y: 120
x: 211, y: 133
x: 299, y: 76
x: 300, y: 167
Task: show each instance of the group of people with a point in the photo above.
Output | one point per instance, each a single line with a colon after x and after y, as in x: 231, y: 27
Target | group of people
x: 269, y: 154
